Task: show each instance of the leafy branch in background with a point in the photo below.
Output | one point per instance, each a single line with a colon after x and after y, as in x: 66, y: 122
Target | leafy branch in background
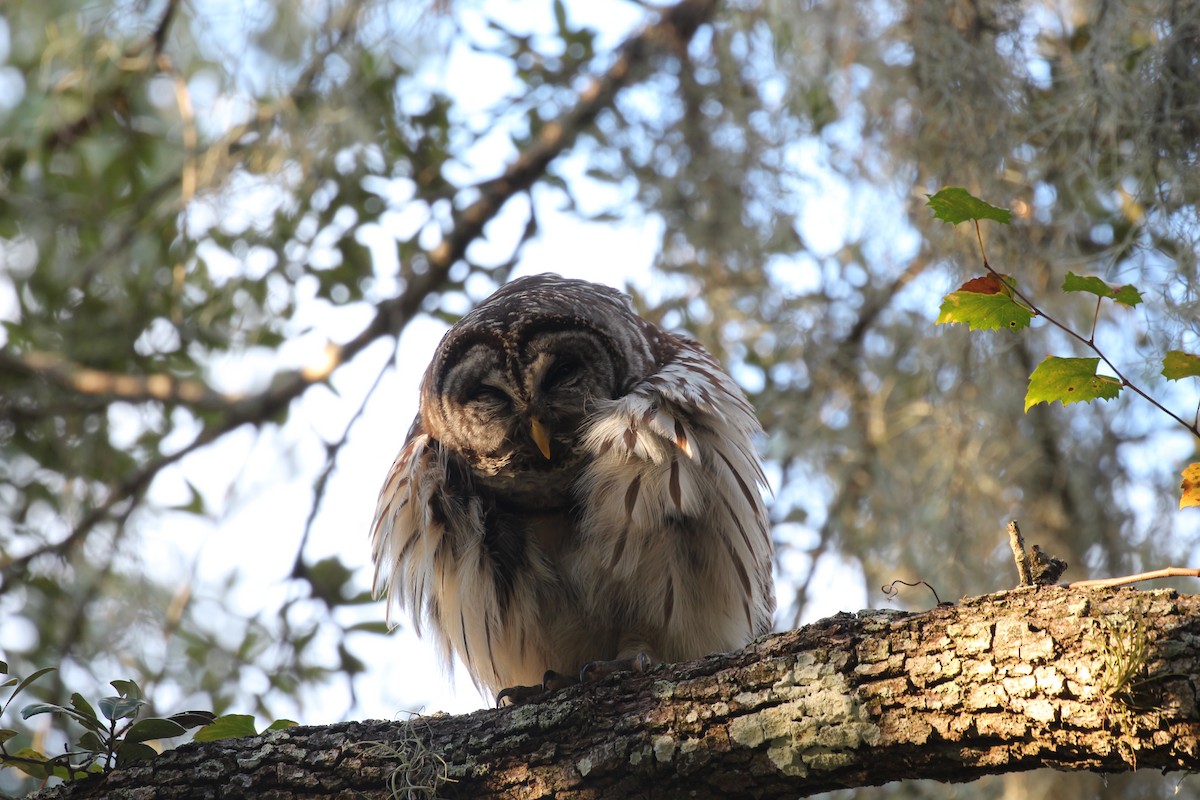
x: 993, y: 302
x: 114, y: 737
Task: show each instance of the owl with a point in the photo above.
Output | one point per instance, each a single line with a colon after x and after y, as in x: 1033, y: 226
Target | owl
x: 579, y: 492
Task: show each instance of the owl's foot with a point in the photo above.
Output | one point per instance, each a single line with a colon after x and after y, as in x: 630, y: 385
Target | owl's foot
x: 519, y: 695
x: 599, y: 670
x: 592, y: 672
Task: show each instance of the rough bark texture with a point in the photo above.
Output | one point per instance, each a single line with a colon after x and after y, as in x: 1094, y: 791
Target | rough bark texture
x: 1100, y: 680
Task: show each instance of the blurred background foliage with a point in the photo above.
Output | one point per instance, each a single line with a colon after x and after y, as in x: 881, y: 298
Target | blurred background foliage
x: 211, y: 212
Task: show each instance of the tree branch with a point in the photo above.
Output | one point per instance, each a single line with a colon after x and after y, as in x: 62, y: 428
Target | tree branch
x: 110, y: 97
x: 1003, y: 683
x: 67, y: 374
x: 673, y: 30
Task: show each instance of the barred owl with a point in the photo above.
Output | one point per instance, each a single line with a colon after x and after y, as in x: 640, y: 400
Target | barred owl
x: 579, y: 489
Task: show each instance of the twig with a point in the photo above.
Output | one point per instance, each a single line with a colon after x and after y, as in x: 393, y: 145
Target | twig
x: 159, y: 37
x: 331, y: 453
x: 126, y: 490
x: 1089, y: 342
x: 1017, y: 543
x: 111, y: 97
x: 1165, y: 572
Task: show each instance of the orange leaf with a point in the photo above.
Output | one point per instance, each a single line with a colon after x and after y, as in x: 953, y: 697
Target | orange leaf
x: 1190, y: 487
x: 984, y: 284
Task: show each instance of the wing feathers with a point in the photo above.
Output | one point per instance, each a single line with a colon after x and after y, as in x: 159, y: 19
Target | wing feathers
x: 680, y: 448
x: 631, y: 495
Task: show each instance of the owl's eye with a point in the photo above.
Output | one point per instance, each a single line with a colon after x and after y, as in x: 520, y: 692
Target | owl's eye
x: 488, y: 394
x: 564, y: 372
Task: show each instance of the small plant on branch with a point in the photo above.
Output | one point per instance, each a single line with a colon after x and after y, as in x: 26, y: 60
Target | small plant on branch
x: 113, y: 737
x: 994, y: 301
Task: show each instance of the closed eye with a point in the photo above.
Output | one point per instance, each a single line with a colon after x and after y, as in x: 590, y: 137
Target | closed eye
x: 489, y: 395
x: 565, y: 371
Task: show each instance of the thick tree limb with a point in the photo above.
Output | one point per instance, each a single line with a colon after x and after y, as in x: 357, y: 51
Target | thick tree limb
x: 1099, y: 680
x: 66, y: 374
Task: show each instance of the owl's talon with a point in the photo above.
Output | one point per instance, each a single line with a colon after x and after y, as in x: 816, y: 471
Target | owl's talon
x: 596, y: 671
x: 519, y: 695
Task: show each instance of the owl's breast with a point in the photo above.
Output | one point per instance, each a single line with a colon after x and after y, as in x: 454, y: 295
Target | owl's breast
x: 533, y: 484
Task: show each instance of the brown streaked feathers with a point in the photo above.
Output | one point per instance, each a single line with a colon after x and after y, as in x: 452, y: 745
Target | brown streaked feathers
x: 642, y: 531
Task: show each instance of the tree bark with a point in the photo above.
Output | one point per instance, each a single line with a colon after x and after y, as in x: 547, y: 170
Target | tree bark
x: 1100, y: 680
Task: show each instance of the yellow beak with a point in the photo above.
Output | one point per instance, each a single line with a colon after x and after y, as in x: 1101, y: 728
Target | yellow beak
x: 540, y: 437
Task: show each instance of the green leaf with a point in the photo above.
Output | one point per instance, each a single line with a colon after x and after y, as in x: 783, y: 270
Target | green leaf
x: 132, y: 752
x: 24, y: 683
x: 1178, y: 364
x: 192, y: 719
x: 154, y: 728
x: 115, y: 708
x: 33, y: 709
x: 92, y: 742
x: 1069, y: 380
x: 83, y: 707
x: 328, y: 578
x: 127, y: 689
x: 984, y: 312
x: 88, y: 721
x: 195, y: 505
x: 29, y: 761
x: 955, y: 204
x: 1126, y: 295
x: 6, y: 734
x: 282, y: 724
x: 68, y: 773
x: 227, y: 727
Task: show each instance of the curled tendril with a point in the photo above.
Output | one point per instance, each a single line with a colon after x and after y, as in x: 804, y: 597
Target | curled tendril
x: 890, y: 591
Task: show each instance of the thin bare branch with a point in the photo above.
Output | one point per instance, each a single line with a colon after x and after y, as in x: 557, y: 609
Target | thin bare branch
x: 1017, y: 543
x: 1165, y: 572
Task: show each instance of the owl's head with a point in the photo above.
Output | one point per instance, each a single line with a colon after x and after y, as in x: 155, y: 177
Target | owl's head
x: 513, y: 381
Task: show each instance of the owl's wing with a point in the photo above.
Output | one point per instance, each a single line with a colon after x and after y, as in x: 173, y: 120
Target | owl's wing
x: 401, y: 534
x: 423, y: 540
x: 674, y: 459
x: 432, y: 558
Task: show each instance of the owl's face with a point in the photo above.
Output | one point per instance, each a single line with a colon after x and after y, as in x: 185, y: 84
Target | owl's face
x: 512, y: 382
